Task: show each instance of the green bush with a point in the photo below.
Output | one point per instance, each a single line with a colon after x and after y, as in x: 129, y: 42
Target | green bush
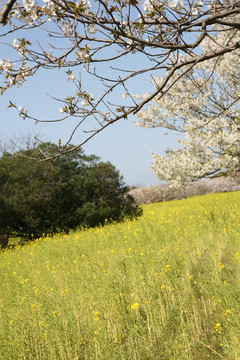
x: 71, y: 191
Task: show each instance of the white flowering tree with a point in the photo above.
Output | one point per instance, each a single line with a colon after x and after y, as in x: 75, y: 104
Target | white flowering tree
x: 204, y: 107
x: 115, y: 42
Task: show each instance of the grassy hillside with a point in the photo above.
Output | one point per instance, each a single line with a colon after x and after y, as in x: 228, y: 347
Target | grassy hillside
x: 164, y: 287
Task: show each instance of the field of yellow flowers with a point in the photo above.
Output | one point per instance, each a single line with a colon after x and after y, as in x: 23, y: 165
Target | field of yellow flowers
x: 166, y: 286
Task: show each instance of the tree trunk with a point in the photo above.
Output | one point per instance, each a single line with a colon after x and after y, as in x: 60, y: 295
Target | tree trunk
x: 3, y: 240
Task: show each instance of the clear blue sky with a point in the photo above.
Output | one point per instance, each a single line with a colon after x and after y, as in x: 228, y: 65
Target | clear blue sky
x: 123, y: 144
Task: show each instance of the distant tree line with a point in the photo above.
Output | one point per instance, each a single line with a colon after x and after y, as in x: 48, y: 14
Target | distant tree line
x: 75, y: 190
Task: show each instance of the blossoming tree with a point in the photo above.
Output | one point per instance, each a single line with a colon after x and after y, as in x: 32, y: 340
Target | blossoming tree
x: 115, y: 42
x: 204, y: 107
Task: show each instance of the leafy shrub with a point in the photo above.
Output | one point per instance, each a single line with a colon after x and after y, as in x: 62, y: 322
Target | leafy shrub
x: 71, y: 191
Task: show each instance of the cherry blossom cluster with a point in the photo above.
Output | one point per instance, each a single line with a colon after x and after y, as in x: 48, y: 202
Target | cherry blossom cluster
x: 12, y: 77
x: 204, y: 106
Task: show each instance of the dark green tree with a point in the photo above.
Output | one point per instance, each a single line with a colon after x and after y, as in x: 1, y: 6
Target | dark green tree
x: 74, y: 190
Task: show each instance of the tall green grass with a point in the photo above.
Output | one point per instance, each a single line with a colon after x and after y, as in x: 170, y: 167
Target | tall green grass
x: 166, y: 286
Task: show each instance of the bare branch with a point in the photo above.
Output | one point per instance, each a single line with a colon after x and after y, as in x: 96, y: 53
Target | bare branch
x: 6, y: 10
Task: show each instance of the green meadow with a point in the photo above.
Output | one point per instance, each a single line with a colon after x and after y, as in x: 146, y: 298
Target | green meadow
x: 166, y: 286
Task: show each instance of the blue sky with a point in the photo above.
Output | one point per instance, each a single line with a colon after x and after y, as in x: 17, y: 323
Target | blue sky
x: 123, y: 144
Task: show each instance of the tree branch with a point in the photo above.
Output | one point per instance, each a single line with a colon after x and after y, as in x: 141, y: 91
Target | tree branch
x: 6, y: 10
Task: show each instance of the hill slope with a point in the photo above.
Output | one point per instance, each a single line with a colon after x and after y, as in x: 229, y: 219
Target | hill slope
x: 164, y: 287
x: 164, y: 192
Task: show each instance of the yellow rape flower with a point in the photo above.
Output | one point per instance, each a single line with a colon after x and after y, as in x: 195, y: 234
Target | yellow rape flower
x: 135, y: 306
x: 167, y: 268
x: 218, y: 328
x: 37, y: 292
x: 227, y: 312
x: 65, y: 291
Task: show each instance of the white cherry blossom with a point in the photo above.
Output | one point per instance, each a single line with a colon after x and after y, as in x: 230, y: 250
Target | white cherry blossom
x: 206, y: 109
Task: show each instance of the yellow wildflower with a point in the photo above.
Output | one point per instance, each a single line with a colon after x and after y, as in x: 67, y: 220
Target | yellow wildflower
x: 135, y: 306
x: 167, y: 268
x: 218, y: 328
x: 36, y: 292
x: 227, y: 312
x: 65, y: 291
